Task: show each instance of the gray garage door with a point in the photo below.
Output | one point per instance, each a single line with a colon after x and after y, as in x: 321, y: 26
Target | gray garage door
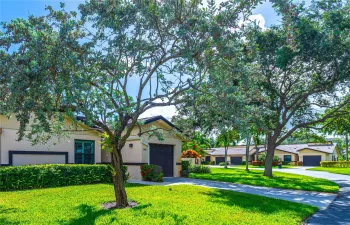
x: 236, y: 160
x: 163, y: 155
x: 219, y: 160
x: 311, y: 160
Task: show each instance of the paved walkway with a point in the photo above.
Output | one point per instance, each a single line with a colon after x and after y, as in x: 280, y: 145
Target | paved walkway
x: 338, y: 212
x: 321, y: 200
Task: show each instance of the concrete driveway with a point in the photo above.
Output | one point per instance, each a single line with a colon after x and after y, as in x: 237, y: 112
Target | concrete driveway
x: 338, y: 211
x: 321, y: 200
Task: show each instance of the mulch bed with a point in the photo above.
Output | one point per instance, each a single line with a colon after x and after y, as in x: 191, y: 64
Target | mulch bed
x: 113, y: 205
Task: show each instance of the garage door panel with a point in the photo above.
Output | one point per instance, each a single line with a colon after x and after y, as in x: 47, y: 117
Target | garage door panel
x: 163, y: 155
x: 218, y: 160
x: 25, y: 159
x: 236, y: 160
x: 311, y: 160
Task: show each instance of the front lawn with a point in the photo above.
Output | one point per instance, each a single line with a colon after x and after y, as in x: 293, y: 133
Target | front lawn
x: 183, y: 204
x: 279, y: 180
x: 345, y: 171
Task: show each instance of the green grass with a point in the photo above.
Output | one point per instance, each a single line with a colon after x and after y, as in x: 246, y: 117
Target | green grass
x: 345, y: 171
x: 183, y: 204
x: 279, y: 180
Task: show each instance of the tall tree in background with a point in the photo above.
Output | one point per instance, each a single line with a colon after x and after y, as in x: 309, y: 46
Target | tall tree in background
x: 226, y: 138
x: 304, y: 66
x: 118, y: 60
x: 339, y: 125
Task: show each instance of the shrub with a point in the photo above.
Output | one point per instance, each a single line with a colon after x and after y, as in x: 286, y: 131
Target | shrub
x: 243, y: 163
x: 285, y: 163
x: 297, y: 163
x: 261, y: 163
x: 185, y: 165
x: 212, y: 163
x: 258, y: 163
x: 44, y: 176
x: 262, y: 157
x: 205, y: 162
x: 336, y: 164
x: 223, y: 164
x: 276, y: 158
x: 190, y: 154
x: 152, y: 173
x: 199, y: 169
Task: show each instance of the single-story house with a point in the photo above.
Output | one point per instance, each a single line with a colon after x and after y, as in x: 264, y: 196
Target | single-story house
x: 149, y: 150
x: 235, y: 155
x: 83, y: 147
x: 311, y: 154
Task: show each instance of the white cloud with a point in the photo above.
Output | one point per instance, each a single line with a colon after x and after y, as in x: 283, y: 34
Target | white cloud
x: 260, y: 20
x: 166, y: 111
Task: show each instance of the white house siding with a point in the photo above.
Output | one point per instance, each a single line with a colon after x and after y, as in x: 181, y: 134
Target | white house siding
x: 9, y: 142
x: 138, y: 154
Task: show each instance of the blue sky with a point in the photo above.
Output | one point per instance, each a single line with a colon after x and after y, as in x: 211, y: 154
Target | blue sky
x: 12, y: 9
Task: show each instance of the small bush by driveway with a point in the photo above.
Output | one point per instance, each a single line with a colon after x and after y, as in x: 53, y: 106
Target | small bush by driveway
x: 279, y: 180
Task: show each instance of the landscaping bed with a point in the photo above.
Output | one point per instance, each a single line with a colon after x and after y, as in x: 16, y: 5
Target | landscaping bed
x: 345, y: 171
x: 181, y: 204
x: 279, y: 180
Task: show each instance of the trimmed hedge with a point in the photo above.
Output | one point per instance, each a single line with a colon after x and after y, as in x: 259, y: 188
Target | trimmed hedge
x: 336, y: 164
x: 52, y: 175
x: 262, y: 163
x: 199, y: 169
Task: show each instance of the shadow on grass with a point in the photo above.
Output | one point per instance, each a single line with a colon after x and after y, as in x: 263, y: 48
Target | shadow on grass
x: 259, y: 204
x: 3, y: 215
x: 256, y: 178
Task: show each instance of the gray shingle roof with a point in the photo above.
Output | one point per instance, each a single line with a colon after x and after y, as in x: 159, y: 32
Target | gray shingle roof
x: 292, y: 148
x: 236, y: 150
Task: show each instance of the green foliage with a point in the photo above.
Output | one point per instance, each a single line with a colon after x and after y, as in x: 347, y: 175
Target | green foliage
x: 305, y: 136
x: 152, y: 173
x: 182, y: 204
x: 336, y: 164
x: 185, y: 165
x: 44, y: 176
x: 227, y: 137
x: 205, y: 162
x: 223, y: 163
x: 199, y: 169
x: 337, y: 170
x: 262, y: 157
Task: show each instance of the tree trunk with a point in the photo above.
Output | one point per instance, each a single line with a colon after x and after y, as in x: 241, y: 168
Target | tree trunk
x: 269, y: 156
x: 247, y: 153
x: 226, y: 157
x: 118, y: 179
x: 256, y: 149
x: 347, y: 147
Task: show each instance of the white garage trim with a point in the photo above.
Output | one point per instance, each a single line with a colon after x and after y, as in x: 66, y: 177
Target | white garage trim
x: 12, y: 153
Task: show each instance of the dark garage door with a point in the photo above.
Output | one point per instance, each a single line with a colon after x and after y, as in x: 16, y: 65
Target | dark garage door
x: 219, y: 160
x: 236, y: 160
x: 311, y: 160
x: 207, y: 158
x: 163, y: 155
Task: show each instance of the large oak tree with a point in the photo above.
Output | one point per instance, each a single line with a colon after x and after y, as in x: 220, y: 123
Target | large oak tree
x: 110, y: 62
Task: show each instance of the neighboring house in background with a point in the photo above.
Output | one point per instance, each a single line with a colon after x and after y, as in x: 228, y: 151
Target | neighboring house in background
x: 310, y: 154
x: 144, y: 149
x: 83, y: 147
x: 235, y: 155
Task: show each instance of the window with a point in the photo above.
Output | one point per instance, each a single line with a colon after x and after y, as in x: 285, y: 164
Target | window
x: 287, y: 158
x: 84, y: 152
